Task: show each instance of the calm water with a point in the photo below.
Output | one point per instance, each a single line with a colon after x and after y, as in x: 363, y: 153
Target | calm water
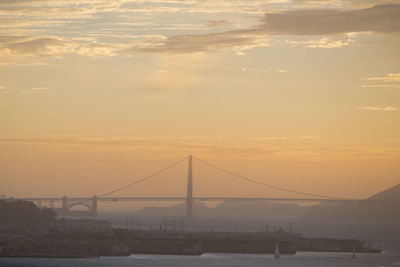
x: 218, y: 259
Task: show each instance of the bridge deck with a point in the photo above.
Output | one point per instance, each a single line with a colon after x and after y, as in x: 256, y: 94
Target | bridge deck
x: 44, y: 199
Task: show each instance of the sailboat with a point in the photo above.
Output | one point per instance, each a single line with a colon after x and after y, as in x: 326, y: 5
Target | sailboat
x: 277, y: 254
x: 353, y: 256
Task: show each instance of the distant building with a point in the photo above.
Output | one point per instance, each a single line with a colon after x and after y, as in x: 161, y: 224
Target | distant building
x: 120, y: 250
x: 89, y: 225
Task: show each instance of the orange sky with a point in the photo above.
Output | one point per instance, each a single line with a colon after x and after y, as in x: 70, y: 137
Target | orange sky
x: 95, y: 94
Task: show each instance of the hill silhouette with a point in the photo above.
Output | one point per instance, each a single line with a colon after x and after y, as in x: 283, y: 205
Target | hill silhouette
x: 389, y: 195
x: 231, y: 209
x: 383, y: 206
x: 18, y: 212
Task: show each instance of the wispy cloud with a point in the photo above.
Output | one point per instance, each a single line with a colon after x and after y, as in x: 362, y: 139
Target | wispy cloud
x: 99, y: 49
x: 15, y: 47
x: 378, y: 108
x: 380, y: 18
x: 192, y: 43
x: 2, y: 90
x: 35, y: 90
x: 394, y: 86
x: 390, y: 77
x: 323, y: 43
x: 390, y: 80
x: 217, y: 23
x: 185, y: 146
x: 301, y: 137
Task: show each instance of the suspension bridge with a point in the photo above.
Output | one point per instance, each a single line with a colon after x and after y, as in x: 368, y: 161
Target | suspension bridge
x: 211, y: 184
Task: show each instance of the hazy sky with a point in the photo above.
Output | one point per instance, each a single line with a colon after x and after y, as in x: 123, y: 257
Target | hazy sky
x: 97, y: 93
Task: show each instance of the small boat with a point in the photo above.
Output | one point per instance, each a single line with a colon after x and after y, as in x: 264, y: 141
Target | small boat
x: 277, y: 254
x: 353, y: 256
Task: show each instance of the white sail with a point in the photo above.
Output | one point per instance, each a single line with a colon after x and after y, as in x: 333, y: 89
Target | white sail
x: 277, y: 254
x: 354, y: 254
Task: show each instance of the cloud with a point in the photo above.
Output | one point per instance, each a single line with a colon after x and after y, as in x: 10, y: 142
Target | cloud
x: 369, y: 3
x: 59, y: 9
x: 170, y: 146
x: 12, y: 23
x: 390, y: 80
x: 390, y: 77
x: 351, y: 2
x: 48, y: 12
x: 40, y: 88
x: 98, y: 49
x: 379, y: 19
x: 4, y: 90
x: 216, y: 23
x: 394, y: 86
x: 25, y: 47
x: 302, y: 137
x: 46, y: 16
x: 14, y: 47
x: 379, y: 108
x: 191, y: 43
x: 35, y: 90
x: 323, y: 43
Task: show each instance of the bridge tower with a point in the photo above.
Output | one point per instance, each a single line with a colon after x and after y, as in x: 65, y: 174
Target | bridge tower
x: 189, y: 193
x: 64, y: 204
x: 94, y: 206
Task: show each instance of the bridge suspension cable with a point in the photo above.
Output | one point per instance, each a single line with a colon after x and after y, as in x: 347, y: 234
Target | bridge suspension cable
x: 254, y: 181
x: 261, y: 183
x: 143, y: 179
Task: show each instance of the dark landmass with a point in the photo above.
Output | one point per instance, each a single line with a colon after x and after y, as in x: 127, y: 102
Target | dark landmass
x: 92, y: 238
x: 45, y: 236
x: 29, y: 231
x: 383, y: 206
x: 20, y: 212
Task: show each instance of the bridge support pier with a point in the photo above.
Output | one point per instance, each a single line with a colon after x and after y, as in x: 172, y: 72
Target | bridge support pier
x: 189, y: 193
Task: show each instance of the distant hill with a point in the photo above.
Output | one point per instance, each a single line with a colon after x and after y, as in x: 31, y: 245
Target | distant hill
x: 259, y: 209
x: 391, y: 195
x: 383, y: 206
x: 179, y: 210
x: 231, y: 209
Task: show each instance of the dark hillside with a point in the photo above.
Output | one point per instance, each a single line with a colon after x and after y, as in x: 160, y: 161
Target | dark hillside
x: 18, y: 212
x: 383, y: 206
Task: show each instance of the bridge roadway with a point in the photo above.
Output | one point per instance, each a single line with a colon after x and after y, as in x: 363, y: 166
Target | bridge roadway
x: 84, y: 199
